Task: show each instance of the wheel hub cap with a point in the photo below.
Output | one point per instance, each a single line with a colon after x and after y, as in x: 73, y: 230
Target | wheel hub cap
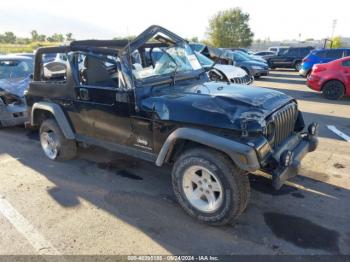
x: 49, y: 144
x: 203, y: 189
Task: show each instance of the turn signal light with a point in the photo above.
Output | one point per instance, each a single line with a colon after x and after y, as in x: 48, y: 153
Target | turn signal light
x: 286, y: 158
x: 312, y: 129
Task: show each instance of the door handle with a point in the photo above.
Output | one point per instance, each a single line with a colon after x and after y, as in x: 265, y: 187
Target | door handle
x: 84, y: 94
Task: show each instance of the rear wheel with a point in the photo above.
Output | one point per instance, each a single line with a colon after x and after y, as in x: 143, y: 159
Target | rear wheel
x: 53, y: 142
x: 333, y: 90
x: 209, y: 186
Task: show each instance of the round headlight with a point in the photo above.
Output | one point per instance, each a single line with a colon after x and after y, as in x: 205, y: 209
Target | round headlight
x: 270, y: 130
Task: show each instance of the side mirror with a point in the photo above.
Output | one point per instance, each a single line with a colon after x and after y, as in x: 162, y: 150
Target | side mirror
x: 31, y: 76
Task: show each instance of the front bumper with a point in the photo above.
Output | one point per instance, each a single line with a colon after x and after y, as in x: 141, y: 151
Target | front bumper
x: 314, y: 82
x: 303, y: 72
x: 259, y: 72
x: 13, y: 115
x: 299, y: 145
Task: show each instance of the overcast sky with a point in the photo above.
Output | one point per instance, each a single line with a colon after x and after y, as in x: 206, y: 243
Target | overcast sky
x: 275, y: 19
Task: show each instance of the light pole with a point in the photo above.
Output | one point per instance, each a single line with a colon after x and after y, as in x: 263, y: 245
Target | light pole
x: 334, y: 24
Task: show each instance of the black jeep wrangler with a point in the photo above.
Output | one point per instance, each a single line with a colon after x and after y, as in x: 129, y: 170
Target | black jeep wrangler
x: 113, y: 95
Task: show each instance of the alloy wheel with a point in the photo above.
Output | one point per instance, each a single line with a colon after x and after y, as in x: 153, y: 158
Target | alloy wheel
x: 49, y: 144
x: 202, y: 189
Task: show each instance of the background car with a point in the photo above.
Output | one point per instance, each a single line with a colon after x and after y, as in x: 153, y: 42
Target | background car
x: 222, y: 72
x: 225, y: 56
x: 264, y: 53
x: 252, y: 67
x: 49, y: 57
x: 244, y: 50
x: 332, y: 79
x: 277, y: 49
x: 251, y: 56
x: 290, y: 58
x: 321, y: 56
x: 31, y: 55
x: 15, y: 74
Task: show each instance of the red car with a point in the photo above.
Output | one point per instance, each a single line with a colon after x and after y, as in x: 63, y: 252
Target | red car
x: 332, y: 79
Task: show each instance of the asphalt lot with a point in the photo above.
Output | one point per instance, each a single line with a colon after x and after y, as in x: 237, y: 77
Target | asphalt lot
x: 104, y: 203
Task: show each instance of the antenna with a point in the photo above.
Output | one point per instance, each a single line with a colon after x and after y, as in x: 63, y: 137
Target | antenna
x: 334, y: 25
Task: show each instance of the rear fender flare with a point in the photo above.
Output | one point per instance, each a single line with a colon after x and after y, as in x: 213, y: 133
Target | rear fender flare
x: 59, y: 115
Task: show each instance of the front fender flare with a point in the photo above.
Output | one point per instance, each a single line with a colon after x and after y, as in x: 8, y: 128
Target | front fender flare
x: 59, y: 115
x: 242, y: 155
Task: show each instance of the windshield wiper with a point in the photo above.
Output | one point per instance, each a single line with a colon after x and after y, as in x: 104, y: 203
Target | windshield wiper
x: 173, y: 75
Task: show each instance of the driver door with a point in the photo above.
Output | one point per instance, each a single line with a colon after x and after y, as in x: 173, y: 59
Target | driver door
x: 101, y: 108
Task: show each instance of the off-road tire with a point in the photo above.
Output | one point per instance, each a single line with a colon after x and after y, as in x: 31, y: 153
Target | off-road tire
x: 235, y: 183
x: 333, y: 90
x: 67, y: 149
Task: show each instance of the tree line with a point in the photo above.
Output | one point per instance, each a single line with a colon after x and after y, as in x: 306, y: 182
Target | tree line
x: 228, y: 28
x: 11, y: 38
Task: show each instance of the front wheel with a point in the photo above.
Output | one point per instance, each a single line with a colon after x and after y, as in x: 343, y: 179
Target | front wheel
x: 333, y: 90
x: 209, y: 186
x: 53, y: 142
x: 270, y: 64
x: 297, y: 66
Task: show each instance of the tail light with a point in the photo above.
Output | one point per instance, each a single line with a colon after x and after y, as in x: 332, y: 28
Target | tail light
x: 318, y: 68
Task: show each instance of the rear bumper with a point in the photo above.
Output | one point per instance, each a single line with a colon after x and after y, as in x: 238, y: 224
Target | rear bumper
x: 299, y: 146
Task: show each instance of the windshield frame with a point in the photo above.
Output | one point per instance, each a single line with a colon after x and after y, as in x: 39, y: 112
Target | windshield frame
x: 143, y: 41
x: 171, y: 76
x: 204, y: 58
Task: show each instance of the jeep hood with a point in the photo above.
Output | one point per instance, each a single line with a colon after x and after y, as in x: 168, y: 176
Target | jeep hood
x: 215, y: 104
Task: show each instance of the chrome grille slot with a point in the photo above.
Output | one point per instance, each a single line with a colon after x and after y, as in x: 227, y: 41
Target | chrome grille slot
x: 241, y: 80
x: 284, y: 120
